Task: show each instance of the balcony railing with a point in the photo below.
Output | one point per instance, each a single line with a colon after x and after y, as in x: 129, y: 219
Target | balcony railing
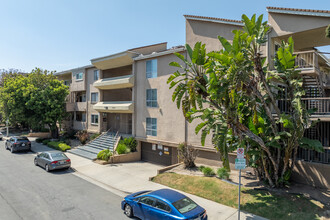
x: 76, y: 106
x: 320, y: 104
x: 115, y: 82
x: 306, y: 59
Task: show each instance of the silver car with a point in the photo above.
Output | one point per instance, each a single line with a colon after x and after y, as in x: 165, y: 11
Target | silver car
x: 1, y: 135
x: 52, y: 161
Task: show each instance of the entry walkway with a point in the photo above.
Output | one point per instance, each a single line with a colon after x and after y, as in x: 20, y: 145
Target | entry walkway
x: 125, y: 178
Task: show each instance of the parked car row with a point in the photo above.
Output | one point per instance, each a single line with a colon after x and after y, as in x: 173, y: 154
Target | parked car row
x: 48, y: 160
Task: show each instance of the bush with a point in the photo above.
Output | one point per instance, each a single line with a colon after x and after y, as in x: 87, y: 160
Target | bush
x: 208, y: 171
x: 46, y: 141
x: 69, y: 134
x: 188, y: 154
x: 67, y: 141
x: 200, y: 168
x: 64, y: 147
x: 122, y: 148
x: 223, y: 173
x: 104, y: 155
x: 131, y: 143
x: 40, y: 140
x: 82, y: 136
x: 58, y: 145
x: 93, y: 136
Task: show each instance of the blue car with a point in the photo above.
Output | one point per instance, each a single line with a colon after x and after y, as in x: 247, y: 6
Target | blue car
x: 162, y: 204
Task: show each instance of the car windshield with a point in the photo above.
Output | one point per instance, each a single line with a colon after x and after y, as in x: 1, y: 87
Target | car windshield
x: 142, y: 193
x: 184, y: 205
x: 22, y: 139
x: 59, y: 156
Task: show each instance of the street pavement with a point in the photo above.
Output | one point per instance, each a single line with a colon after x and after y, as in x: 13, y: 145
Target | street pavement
x: 29, y: 192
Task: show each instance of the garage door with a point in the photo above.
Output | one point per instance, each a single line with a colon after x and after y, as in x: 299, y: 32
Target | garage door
x: 156, y: 153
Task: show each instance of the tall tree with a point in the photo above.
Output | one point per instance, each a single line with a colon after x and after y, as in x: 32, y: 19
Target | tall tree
x: 234, y: 95
x: 37, y: 99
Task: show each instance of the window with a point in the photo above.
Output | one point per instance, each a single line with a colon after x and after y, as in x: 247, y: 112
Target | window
x: 96, y: 75
x: 147, y: 201
x: 66, y: 82
x: 95, y: 119
x: 81, y: 116
x: 184, y: 205
x: 152, y: 126
x: 81, y: 97
x: 94, y: 97
x: 162, y: 206
x: 151, y: 68
x: 152, y: 97
x: 79, y: 76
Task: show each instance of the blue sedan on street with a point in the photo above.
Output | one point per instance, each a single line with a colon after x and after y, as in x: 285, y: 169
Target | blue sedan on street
x: 162, y: 204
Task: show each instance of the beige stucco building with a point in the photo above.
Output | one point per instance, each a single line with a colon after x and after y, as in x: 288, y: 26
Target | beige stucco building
x: 128, y: 91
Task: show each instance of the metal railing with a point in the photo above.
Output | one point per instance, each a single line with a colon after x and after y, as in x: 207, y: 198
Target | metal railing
x: 306, y: 59
x: 321, y: 104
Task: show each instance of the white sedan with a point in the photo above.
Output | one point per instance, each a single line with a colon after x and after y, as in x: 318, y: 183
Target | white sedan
x: 1, y: 136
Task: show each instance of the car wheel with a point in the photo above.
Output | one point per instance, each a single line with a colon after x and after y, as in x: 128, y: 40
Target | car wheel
x: 47, y: 168
x: 128, y: 211
x: 12, y: 150
x: 35, y: 162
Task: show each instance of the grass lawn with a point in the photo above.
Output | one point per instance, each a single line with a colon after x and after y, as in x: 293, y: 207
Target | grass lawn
x: 263, y: 203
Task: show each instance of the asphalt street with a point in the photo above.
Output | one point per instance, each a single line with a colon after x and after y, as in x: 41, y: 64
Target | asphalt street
x: 29, y: 192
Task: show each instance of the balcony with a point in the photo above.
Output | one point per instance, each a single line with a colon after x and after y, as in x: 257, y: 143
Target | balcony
x: 321, y: 104
x: 115, y: 107
x: 76, y: 106
x: 115, y: 82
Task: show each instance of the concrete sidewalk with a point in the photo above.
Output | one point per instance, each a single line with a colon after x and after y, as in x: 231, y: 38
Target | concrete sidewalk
x: 126, y: 178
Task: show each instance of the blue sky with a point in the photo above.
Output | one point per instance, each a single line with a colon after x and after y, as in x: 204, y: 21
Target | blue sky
x: 63, y: 34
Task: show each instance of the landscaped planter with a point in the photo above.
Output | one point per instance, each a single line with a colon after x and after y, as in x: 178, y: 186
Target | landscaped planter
x: 40, y: 134
x: 122, y: 158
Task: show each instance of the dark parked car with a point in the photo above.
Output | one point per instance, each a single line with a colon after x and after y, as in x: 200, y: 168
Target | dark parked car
x: 162, y: 204
x: 52, y: 161
x: 18, y: 144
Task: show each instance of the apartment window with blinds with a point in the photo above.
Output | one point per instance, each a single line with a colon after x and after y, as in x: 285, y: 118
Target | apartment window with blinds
x: 96, y: 75
x: 151, y: 68
x: 79, y: 76
x: 95, y: 119
x: 94, y: 97
x: 151, y: 126
x: 152, y: 98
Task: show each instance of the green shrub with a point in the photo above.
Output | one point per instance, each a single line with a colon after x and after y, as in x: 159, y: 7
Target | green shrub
x: 122, y: 148
x: 200, y: 168
x: 40, y: 140
x: 104, y: 155
x: 67, y: 141
x: 57, y: 145
x: 64, y: 147
x: 131, y: 143
x: 46, y: 141
x: 93, y: 136
x: 208, y: 171
x: 223, y: 173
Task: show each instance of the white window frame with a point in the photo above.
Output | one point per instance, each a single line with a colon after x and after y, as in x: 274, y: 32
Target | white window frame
x: 93, y: 117
x: 97, y: 97
x: 79, y: 76
x: 151, y: 127
x: 152, y: 71
x: 66, y: 82
x: 96, y: 73
x: 150, y: 102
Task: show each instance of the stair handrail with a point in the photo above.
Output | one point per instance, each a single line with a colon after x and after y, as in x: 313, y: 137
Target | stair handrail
x: 115, y: 144
x: 96, y: 137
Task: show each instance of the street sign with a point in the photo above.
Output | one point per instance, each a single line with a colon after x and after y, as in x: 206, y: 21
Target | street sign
x: 240, y: 163
x: 240, y: 152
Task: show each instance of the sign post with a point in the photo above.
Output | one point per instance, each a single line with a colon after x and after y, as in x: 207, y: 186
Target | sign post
x: 240, y: 163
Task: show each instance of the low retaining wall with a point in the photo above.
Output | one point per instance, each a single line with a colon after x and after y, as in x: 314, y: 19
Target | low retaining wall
x: 124, y: 158
x: 40, y: 134
x: 163, y: 170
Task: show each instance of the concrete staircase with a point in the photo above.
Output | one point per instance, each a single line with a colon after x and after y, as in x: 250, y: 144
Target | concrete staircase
x: 106, y: 140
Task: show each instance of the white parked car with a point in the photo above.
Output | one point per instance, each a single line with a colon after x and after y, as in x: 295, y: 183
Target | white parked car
x: 1, y: 136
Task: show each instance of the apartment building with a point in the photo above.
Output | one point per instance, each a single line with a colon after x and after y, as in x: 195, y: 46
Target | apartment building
x: 127, y: 92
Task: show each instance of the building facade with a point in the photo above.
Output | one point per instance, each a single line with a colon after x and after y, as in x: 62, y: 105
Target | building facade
x: 128, y: 92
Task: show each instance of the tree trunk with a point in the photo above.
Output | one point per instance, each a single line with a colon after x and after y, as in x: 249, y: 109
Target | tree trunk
x: 54, y: 131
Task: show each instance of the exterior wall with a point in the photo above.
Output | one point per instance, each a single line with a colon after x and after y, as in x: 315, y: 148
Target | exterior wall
x: 78, y: 85
x: 170, y: 121
x: 117, y: 95
x: 120, y: 71
x: 208, y: 32
x: 91, y: 89
x: 284, y: 24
